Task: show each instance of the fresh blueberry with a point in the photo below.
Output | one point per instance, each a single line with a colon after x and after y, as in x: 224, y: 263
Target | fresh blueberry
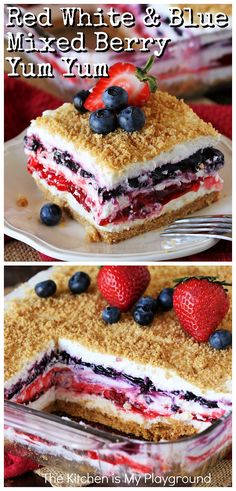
x: 50, y: 214
x: 79, y: 282
x: 131, y: 119
x: 79, y: 100
x: 146, y: 303
x: 165, y: 298
x: 220, y: 339
x: 45, y: 289
x: 143, y: 316
x: 103, y: 121
x: 115, y: 97
x: 111, y: 315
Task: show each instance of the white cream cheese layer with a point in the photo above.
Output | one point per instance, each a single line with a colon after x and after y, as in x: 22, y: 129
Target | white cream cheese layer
x: 172, y: 205
x: 107, y: 407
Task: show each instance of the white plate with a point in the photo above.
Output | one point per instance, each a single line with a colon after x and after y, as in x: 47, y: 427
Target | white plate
x: 66, y: 241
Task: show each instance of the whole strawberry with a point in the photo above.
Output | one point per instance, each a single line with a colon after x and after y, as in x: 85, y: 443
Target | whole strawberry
x: 200, y: 304
x: 122, y: 286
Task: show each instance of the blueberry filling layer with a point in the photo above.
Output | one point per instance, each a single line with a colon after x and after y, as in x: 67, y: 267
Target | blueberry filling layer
x: 60, y: 157
x: 209, y: 160
x: 70, y: 373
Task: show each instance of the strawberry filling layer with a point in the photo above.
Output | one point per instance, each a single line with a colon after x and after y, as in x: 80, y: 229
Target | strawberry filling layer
x: 59, y: 181
x: 138, y: 397
x: 144, y: 205
x: 141, y: 205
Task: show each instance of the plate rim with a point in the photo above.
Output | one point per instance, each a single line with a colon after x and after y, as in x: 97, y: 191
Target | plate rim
x: 67, y: 255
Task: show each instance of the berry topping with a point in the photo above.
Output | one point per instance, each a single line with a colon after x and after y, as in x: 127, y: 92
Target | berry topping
x: 45, y: 289
x: 165, y: 298
x: 115, y: 97
x: 131, y: 119
x: 220, y: 339
x: 79, y: 282
x: 143, y: 316
x: 79, y: 100
x: 111, y: 315
x: 200, y: 304
x: 122, y: 286
x: 136, y: 82
x: 146, y: 303
x: 103, y: 121
x: 50, y: 214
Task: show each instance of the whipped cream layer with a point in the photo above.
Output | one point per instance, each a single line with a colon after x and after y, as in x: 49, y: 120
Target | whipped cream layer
x: 134, y: 392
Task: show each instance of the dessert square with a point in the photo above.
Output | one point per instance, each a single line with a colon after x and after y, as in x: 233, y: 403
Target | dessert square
x: 152, y: 381
x: 123, y: 184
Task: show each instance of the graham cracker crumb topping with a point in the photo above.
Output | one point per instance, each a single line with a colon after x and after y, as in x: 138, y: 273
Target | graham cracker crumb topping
x: 169, y: 121
x: 22, y: 201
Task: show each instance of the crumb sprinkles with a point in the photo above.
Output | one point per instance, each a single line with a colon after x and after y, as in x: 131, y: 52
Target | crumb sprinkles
x: 22, y: 201
x: 163, y: 130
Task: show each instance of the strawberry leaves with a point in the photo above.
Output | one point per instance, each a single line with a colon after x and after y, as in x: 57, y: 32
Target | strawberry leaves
x: 212, y: 279
x: 142, y: 74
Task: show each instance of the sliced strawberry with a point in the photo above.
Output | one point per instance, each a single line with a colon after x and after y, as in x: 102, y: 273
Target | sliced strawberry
x: 137, y: 83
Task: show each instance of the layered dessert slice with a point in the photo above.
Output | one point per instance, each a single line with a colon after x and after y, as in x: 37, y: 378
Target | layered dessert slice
x: 197, y: 59
x: 125, y: 183
x: 154, y: 381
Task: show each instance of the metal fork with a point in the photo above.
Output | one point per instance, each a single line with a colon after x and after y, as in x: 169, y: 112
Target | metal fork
x: 215, y: 226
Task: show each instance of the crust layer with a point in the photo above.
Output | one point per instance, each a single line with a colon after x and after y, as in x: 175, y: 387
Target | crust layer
x: 96, y: 235
x: 157, y: 431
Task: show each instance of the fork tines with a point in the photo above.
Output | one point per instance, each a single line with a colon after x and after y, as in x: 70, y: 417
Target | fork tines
x: 218, y: 226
